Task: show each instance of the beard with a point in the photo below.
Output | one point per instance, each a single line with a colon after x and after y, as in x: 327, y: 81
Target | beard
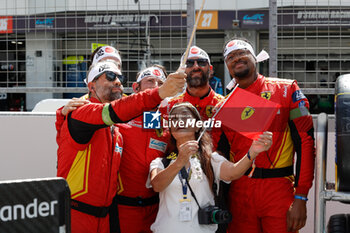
x: 197, y: 81
x: 111, y: 94
x: 243, y: 73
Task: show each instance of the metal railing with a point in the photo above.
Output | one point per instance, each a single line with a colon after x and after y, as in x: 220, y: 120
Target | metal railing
x: 324, y: 191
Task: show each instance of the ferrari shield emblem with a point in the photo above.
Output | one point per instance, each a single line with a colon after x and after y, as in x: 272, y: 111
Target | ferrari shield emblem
x: 247, y: 113
x: 266, y: 95
x: 209, y: 111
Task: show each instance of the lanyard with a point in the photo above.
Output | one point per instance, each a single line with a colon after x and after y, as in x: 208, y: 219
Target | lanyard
x: 183, y: 183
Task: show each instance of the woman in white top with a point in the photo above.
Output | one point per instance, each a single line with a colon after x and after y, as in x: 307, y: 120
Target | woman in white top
x: 178, y: 211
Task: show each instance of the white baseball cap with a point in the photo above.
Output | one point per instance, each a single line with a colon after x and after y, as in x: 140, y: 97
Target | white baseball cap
x: 106, y: 51
x: 101, y: 67
x: 152, y: 72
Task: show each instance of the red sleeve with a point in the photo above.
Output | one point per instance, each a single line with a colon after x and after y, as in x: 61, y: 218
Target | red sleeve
x: 134, y: 105
x: 302, y: 132
x: 59, y: 120
x: 118, y: 111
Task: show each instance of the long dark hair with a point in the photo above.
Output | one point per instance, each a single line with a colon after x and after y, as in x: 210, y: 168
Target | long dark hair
x: 205, y: 143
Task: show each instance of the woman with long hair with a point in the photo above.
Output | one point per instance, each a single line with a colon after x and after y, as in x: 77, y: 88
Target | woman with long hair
x: 178, y: 209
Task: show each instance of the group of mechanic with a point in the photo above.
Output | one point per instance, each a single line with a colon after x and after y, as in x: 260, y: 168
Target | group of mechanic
x: 104, y: 152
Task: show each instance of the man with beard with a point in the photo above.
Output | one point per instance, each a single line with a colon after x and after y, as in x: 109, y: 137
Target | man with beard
x: 273, y: 198
x: 198, y: 91
x: 90, y: 146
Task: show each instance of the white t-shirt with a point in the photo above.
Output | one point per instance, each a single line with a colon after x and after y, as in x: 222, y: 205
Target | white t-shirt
x: 167, y: 220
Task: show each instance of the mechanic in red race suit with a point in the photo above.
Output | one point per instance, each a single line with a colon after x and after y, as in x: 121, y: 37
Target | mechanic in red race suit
x: 274, y: 198
x: 101, y: 53
x: 90, y: 147
x: 198, y: 91
x: 138, y: 205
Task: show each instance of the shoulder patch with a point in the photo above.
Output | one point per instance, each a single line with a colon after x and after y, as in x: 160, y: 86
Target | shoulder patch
x: 298, y: 95
x: 303, y: 109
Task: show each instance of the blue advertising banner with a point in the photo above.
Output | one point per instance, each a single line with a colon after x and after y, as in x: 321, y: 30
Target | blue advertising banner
x: 247, y: 19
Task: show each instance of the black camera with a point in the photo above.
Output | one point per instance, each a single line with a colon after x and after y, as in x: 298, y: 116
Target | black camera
x: 213, y: 215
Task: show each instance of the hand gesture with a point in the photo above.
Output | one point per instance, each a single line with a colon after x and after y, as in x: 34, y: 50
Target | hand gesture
x: 72, y: 105
x: 263, y: 143
x: 174, y: 84
x: 186, y: 150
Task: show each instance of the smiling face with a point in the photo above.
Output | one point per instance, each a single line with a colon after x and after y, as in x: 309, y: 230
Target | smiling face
x: 240, y: 63
x: 179, y: 116
x: 197, y: 72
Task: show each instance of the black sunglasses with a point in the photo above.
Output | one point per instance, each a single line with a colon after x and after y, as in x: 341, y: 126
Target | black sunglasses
x: 201, y: 62
x: 111, y: 76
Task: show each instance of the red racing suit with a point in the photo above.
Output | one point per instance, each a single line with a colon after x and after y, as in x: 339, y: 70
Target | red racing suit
x: 88, y: 157
x: 260, y: 203
x: 204, y: 104
x: 138, y: 205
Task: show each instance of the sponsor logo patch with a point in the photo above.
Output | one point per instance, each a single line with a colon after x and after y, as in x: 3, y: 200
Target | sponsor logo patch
x: 298, y: 95
x: 156, y: 72
x: 118, y: 149
x: 194, y: 50
x: 109, y: 50
x: 6, y: 24
x: 303, y: 109
x: 157, y: 145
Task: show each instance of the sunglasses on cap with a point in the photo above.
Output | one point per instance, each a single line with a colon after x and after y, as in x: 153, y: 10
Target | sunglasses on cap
x: 111, y: 77
x: 201, y: 62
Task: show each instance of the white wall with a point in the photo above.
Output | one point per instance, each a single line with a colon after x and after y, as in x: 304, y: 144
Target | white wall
x: 27, y: 146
